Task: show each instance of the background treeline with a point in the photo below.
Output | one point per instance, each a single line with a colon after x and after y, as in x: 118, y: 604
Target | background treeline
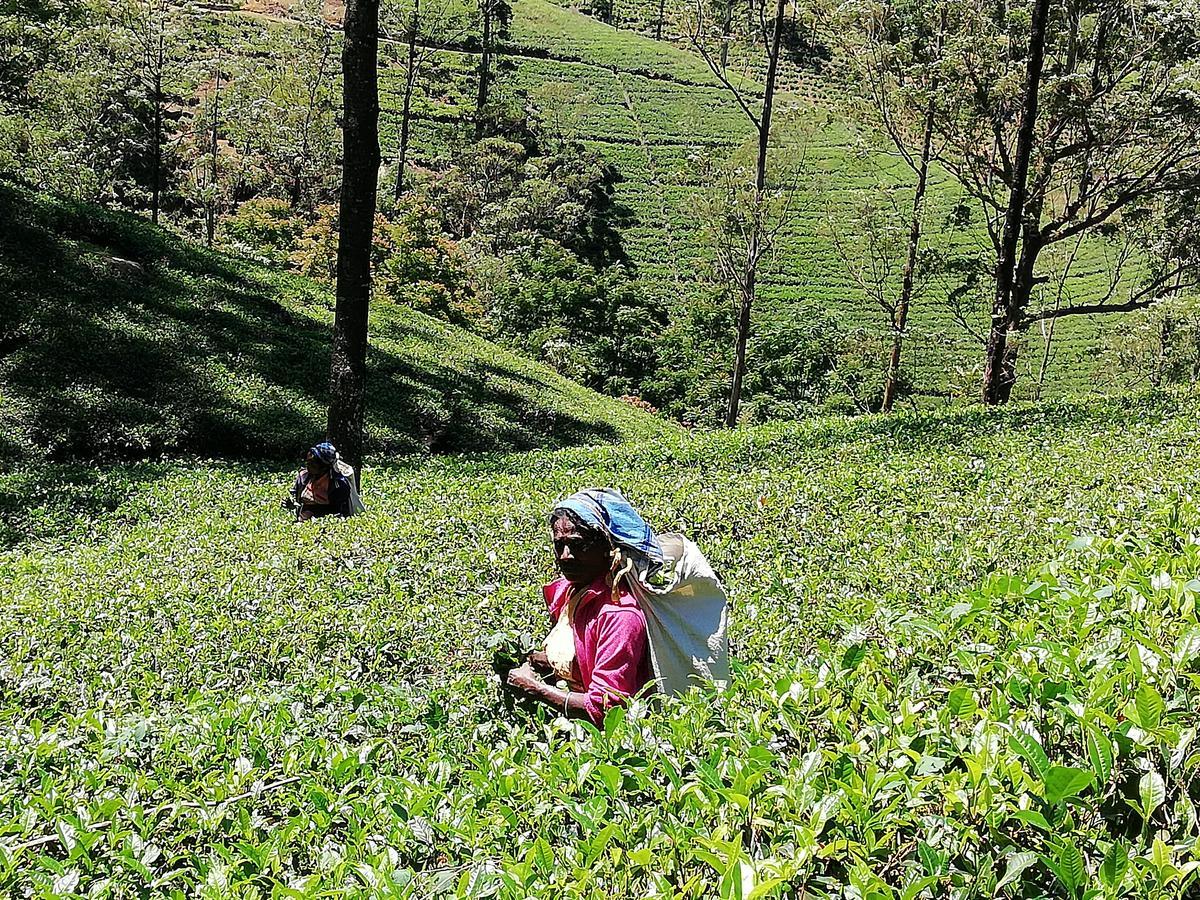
x: 589, y: 197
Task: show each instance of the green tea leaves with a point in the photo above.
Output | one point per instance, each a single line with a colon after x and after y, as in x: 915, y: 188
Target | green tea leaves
x: 1148, y: 706
x: 1064, y: 782
x: 1029, y: 748
x: 1100, y: 752
x: 1152, y: 793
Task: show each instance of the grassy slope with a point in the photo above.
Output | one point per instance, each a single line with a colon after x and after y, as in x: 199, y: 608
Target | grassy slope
x: 653, y: 108
x: 204, y: 354
x: 197, y: 644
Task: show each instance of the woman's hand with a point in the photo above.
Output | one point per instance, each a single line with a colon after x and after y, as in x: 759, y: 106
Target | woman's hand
x: 538, y: 662
x: 525, y: 680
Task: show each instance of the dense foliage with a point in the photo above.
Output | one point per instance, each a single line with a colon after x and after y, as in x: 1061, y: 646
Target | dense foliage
x: 966, y: 646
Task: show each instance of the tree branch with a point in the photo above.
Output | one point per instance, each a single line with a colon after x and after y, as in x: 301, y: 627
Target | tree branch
x: 1141, y: 299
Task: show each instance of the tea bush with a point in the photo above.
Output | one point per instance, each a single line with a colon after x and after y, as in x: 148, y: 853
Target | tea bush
x: 966, y: 654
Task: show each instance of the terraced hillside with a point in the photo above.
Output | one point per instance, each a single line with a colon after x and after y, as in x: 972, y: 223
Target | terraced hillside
x: 658, y: 115
x: 119, y: 340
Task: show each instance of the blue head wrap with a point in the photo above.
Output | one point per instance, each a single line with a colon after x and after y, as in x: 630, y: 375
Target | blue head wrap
x: 325, y: 452
x: 606, y: 510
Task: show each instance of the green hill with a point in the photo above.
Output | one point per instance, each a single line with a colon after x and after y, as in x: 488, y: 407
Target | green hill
x: 965, y: 641
x: 655, y: 111
x: 660, y: 118
x: 119, y: 340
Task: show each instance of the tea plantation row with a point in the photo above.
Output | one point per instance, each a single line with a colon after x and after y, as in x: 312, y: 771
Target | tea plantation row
x: 966, y: 650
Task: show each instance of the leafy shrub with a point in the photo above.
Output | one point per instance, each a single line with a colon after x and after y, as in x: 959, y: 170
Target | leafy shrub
x: 419, y: 266
x: 265, y: 228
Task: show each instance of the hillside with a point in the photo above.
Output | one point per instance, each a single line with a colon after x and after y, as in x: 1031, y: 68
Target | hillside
x: 656, y: 112
x: 121, y: 341
x: 964, y: 641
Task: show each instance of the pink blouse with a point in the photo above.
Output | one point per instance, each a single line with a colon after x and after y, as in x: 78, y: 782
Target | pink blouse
x: 612, y: 654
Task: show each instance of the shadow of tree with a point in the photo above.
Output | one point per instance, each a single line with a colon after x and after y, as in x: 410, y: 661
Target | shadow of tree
x: 120, y: 341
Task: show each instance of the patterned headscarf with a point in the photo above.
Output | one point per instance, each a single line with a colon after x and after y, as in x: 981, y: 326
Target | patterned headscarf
x: 325, y: 452
x: 606, y: 510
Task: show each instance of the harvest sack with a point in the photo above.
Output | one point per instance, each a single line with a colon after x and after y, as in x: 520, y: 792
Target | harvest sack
x: 684, y: 604
x: 686, y: 613
x: 347, y: 471
x: 560, y: 643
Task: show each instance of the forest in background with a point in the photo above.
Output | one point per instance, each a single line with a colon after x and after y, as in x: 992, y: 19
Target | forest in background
x: 586, y: 201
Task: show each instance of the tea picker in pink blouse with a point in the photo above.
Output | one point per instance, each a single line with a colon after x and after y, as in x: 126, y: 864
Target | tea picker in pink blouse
x: 598, y: 645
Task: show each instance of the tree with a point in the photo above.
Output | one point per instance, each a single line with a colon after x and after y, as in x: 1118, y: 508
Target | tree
x: 315, y: 98
x: 495, y: 17
x: 873, y: 239
x: 152, y: 26
x: 356, y: 221
x: 67, y: 121
x: 215, y: 127
x: 894, y: 53
x: 280, y: 118
x: 1064, y: 118
x: 752, y: 220
x: 434, y: 22
x: 410, y: 81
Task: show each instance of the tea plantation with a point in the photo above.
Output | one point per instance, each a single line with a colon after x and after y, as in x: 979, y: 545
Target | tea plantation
x: 966, y: 651
x: 660, y: 117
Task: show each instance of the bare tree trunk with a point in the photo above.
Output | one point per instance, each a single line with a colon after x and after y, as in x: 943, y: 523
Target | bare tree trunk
x: 216, y: 119
x: 662, y: 12
x: 892, y: 380
x: 739, y: 358
x: 356, y: 221
x: 1000, y: 366
x: 726, y: 33
x: 410, y: 80
x: 156, y: 190
x: 485, y: 66
x: 752, y: 256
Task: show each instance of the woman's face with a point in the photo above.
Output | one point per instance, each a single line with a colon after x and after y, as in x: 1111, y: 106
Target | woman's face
x: 315, y: 466
x: 581, y: 557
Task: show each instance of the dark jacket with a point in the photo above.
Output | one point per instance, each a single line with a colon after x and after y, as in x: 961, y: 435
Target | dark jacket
x: 339, y: 495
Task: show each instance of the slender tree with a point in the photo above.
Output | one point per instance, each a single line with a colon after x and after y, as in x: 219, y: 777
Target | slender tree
x: 1099, y: 135
x: 436, y: 18
x: 495, y: 16
x: 756, y: 242
x: 410, y: 82
x: 486, y: 14
x: 302, y: 160
x: 356, y: 219
x: 893, y: 51
x: 150, y: 26
x: 211, y: 224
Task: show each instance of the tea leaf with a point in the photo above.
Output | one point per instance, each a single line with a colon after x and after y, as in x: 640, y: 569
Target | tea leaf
x: 1149, y: 705
x: 1063, y: 782
x: 1152, y: 792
